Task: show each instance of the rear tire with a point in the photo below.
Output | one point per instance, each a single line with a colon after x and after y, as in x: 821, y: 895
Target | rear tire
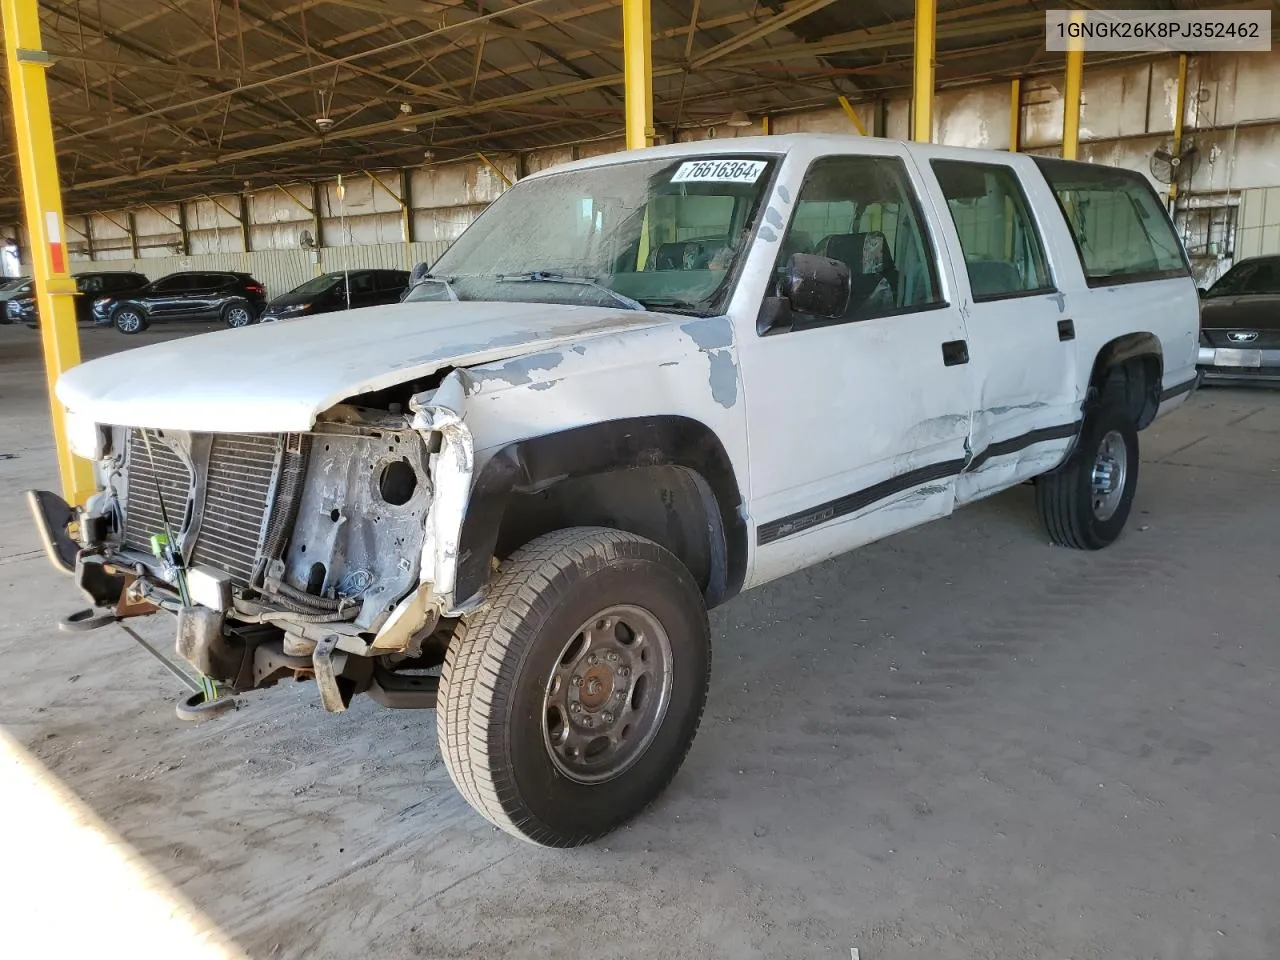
x: 1084, y: 504
x: 129, y: 320
x: 568, y: 703
x: 237, y: 315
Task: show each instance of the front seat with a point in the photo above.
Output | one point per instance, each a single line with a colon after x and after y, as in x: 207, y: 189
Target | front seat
x: 873, y: 277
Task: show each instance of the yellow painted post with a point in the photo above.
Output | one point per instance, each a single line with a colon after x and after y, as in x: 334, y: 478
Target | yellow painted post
x: 852, y: 114
x: 637, y: 52
x: 1071, y: 94
x: 926, y: 32
x: 1180, y: 108
x: 764, y: 125
x: 1015, y: 114
x: 42, y: 204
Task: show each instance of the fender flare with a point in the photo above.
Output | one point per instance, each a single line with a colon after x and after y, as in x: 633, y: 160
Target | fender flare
x: 527, y: 465
x: 1130, y: 346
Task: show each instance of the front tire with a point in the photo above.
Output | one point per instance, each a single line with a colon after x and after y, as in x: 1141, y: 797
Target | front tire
x: 1085, y: 503
x: 568, y: 703
x: 130, y: 320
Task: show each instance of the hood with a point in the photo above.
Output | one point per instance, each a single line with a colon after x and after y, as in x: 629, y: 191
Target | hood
x: 277, y: 377
x: 14, y: 294
x: 1254, y: 312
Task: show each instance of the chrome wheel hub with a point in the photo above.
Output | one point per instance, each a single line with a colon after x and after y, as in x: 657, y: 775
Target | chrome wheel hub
x: 1110, y: 470
x: 129, y: 322
x: 238, y: 318
x: 607, y: 694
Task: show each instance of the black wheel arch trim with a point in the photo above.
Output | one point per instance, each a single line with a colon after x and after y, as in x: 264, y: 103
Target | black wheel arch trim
x: 1179, y: 389
x: 537, y: 462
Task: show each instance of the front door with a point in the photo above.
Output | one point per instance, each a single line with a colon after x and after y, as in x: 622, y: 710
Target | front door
x: 856, y: 425
x: 1026, y: 403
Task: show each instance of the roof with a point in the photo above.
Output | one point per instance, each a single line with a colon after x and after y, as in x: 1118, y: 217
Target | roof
x: 162, y: 99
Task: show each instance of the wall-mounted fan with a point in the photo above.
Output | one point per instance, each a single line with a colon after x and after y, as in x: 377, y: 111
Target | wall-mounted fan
x: 306, y: 241
x: 1170, y: 165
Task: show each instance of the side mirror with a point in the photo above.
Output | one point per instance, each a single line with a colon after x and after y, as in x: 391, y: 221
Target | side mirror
x: 810, y: 284
x: 420, y: 273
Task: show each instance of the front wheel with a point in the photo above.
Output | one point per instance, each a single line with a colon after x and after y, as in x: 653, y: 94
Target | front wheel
x: 1085, y: 503
x: 129, y: 320
x: 568, y: 703
x: 237, y: 315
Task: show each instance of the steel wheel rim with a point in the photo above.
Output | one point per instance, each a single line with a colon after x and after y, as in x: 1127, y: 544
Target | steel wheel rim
x: 1107, y: 479
x: 239, y: 317
x: 129, y: 322
x: 607, y: 694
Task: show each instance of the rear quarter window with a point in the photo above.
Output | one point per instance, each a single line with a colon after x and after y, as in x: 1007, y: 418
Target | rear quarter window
x: 1121, y: 229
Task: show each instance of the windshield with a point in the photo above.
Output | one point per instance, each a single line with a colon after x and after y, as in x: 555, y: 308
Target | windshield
x: 1248, y: 276
x: 664, y: 233
x: 318, y: 284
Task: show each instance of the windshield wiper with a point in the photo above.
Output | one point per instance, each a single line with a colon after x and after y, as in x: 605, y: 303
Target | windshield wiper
x: 541, y: 276
x: 674, y: 304
x: 448, y: 285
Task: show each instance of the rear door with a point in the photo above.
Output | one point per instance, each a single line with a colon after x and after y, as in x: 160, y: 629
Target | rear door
x: 165, y: 299
x: 1026, y: 407
x: 206, y: 296
x: 391, y: 284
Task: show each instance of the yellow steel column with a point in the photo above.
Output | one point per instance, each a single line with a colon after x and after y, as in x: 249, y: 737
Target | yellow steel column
x: 1071, y: 94
x: 637, y: 52
x: 1180, y: 108
x: 1015, y: 114
x: 922, y: 88
x: 42, y: 204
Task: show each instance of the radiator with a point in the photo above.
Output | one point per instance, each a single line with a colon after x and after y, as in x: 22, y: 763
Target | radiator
x: 238, y: 484
x: 246, y: 474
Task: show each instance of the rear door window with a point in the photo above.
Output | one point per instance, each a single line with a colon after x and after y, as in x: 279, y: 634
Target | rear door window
x: 1122, y: 231
x: 1003, y: 252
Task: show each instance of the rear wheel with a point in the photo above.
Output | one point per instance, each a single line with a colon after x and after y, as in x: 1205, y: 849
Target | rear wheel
x: 1086, y: 502
x: 130, y: 320
x: 237, y: 315
x: 569, y: 702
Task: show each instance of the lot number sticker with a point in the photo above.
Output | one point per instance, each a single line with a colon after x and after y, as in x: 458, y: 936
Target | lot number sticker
x: 719, y: 171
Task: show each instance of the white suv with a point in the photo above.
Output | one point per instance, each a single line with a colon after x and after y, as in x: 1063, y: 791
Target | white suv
x: 635, y: 387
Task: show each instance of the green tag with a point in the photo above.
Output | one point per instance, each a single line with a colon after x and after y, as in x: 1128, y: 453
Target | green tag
x: 158, y: 542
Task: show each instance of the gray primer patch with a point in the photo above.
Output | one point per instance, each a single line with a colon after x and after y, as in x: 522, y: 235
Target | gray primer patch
x: 767, y: 234
x: 724, y: 378
x: 709, y: 334
x: 546, y: 384
x: 784, y: 193
x: 772, y: 216
x: 1061, y: 301
x: 579, y: 349
x: 517, y: 371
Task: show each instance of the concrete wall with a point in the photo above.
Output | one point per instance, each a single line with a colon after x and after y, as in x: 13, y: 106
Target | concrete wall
x: 1127, y: 113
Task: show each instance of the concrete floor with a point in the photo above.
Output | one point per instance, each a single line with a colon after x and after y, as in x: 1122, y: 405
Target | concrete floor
x: 959, y: 743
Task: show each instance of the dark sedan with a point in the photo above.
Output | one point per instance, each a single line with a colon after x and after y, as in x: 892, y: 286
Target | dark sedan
x: 236, y: 299
x: 1240, y: 324
x: 89, y: 286
x: 340, y: 290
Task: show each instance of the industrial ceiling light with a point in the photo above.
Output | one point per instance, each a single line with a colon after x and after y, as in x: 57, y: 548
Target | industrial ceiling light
x: 738, y: 119
x: 324, y: 124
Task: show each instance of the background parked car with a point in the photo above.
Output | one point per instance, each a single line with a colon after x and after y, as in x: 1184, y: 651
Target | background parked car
x: 340, y: 290
x: 236, y: 299
x: 88, y: 287
x: 1240, y: 324
x: 15, y: 287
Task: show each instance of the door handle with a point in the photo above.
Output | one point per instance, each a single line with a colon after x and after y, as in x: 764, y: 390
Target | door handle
x: 954, y: 353
x: 1066, y: 330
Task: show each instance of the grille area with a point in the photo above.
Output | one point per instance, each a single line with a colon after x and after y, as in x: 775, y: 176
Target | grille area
x: 238, y: 490
x: 143, y: 516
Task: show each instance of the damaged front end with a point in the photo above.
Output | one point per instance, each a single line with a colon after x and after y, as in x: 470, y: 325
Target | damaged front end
x: 327, y: 554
